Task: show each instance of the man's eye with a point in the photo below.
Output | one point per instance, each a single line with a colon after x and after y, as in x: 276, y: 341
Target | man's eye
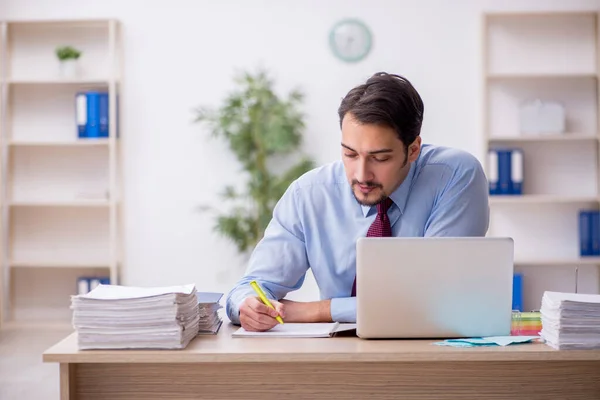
x: 351, y: 155
x: 381, y: 159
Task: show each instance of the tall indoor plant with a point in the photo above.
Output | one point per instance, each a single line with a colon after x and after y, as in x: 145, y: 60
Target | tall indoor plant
x: 259, y: 126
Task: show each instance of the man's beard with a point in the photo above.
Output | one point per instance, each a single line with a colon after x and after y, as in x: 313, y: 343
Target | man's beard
x: 363, y: 199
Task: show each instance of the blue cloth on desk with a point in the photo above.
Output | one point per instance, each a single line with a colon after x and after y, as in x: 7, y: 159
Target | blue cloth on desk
x: 317, y: 221
x: 487, y: 341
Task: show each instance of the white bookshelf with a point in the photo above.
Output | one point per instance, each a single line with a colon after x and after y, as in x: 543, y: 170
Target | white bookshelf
x: 61, y: 194
x: 552, y: 56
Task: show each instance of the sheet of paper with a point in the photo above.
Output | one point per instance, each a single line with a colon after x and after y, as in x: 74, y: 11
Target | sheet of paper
x: 116, y: 292
x: 295, y: 330
x: 487, y: 341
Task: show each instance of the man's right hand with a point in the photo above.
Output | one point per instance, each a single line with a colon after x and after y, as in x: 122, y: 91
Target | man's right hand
x: 255, y: 316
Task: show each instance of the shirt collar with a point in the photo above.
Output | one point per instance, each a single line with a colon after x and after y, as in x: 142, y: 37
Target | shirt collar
x: 400, y: 195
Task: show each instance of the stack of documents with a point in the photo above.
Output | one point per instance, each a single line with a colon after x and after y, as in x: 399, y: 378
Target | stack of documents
x: 122, y: 317
x: 208, y: 306
x: 571, y: 321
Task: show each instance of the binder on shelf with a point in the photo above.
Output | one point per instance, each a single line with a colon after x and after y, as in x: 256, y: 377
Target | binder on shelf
x: 83, y: 286
x: 93, y: 119
x: 94, y: 283
x: 103, y: 115
x: 92, y: 114
x: 585, y: 233
x: 81, y: 112
x: 504, y: 186
x: 493, y: 171
x: 506, y: 171
x: 517, y: 296
x: 87, y: 284
x: 516, y: 171
x: 595, y: 233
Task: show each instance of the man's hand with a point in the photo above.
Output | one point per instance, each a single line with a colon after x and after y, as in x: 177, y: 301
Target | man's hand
x: 255, y: 316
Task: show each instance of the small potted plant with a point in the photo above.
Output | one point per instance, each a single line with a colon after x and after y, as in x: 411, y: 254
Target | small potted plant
x: 68, y: 57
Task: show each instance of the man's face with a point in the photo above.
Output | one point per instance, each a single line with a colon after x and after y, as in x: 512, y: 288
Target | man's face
x: 374, y: 159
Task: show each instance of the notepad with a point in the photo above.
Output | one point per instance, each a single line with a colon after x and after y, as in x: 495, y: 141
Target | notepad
x: 299, y: 330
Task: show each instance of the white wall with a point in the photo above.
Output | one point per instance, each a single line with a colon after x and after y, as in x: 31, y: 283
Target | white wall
x: 180, y: 54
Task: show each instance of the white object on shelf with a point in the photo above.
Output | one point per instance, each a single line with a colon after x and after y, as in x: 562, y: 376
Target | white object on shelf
x: 69, y: 69
x: 542, y: 117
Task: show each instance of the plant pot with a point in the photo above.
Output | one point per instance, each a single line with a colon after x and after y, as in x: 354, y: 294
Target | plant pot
x: 69, y: 69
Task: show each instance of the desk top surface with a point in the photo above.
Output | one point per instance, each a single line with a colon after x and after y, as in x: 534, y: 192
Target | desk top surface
x: 224, y: 348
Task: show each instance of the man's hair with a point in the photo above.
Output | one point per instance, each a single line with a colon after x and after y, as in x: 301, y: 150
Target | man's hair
x: 389, y: 100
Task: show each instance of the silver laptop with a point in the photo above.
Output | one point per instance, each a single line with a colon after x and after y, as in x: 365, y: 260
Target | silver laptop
x: 434, y: 287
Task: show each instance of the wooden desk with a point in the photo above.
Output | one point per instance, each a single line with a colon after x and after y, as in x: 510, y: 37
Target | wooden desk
x: 222, y: 367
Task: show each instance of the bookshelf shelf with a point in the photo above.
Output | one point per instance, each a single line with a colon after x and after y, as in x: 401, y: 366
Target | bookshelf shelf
x: 542, y: 76
x: 589, y: 261
x: 51, y: 81
x: 64, y: 143
x: 76, y: 204
x: 57, y: 264
x: 543, y: 199
x: 535, y: 58
x: 567, y: 137
x: 60, y: 193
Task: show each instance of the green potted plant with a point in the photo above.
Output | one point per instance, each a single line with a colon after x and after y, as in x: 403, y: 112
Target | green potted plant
x: 262, y: 129
x: 68, y: 57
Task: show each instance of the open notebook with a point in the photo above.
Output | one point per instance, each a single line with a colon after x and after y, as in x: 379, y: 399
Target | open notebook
x: 299, y: 330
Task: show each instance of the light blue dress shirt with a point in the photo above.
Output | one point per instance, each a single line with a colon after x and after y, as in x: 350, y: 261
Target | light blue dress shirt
x: 317, y: 222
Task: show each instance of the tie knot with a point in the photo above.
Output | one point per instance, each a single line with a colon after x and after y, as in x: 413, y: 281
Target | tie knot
x: 384, y: 205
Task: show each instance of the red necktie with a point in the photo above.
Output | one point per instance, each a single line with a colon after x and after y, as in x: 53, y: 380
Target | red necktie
x: 381, y: 227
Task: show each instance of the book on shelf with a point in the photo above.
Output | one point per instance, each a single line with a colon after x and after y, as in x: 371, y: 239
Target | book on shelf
x: 505, y: 175
x: 589, y: 233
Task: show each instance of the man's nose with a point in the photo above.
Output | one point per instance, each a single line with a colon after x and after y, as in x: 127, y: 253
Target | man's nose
x: 362, y: 172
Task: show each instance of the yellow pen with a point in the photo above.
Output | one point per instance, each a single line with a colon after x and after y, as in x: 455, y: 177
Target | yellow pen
x: 264, y: 299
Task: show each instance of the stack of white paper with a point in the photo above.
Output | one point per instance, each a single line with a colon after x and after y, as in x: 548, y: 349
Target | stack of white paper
x: 208, y: 306
x: 571, y: 321
x: 123, y: 317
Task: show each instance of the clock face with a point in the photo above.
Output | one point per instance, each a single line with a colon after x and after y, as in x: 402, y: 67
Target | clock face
x: 350, y: 40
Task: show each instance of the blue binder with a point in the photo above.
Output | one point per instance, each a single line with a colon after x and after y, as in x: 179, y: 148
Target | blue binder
x: 493, y: 172
x: 504, y: 174
x: 81, y: 112
x: 103, y: 115
x: 585, y: 233
x: 93, y: 125
x: 92, y: 113
x: 516, y: 172
x: 595, y: 233
x: 517, y: 297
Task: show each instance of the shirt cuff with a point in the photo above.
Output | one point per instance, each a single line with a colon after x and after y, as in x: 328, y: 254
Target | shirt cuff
x: 234, y: 301
x: 343, y: 309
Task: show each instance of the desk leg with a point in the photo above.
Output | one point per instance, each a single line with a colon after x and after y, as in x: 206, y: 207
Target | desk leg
x: 67, y: 381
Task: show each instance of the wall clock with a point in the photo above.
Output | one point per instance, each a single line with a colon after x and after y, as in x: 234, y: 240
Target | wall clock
x: 350, y: 40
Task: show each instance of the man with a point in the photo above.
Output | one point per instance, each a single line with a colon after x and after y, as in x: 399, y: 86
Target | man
x: 387, y: 184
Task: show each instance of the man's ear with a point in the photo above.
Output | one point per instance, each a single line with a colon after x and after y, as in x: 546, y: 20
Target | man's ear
x: 414, y: 149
